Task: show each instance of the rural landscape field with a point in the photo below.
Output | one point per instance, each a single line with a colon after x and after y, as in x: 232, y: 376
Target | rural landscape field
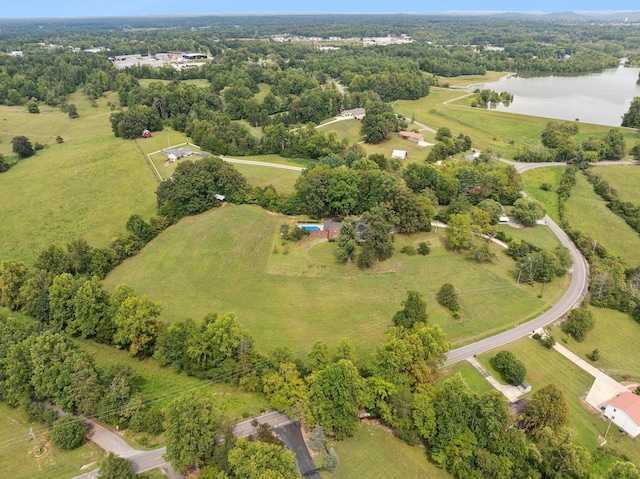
x: 290, y: 246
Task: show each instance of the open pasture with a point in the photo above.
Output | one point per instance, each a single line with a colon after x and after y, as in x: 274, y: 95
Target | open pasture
x: 587, y: 212
x: 87, y: 186
x: 624, y: 179
x: 231, y: 259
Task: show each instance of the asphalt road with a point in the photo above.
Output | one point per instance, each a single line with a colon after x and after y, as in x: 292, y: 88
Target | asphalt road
x: 574, y: 294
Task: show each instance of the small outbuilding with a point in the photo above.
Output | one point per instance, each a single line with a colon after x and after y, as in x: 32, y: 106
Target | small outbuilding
x: 401, y: 154
x: 220, y: 198
x: 624, y: 412
x: 284, y: 229
x: 524, y: 387
x: 146, y: 134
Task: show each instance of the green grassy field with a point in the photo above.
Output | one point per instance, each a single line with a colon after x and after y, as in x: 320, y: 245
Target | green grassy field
x: 19, y: 458
x: 375, y: 452
x: 504, y: 133
x: 546, y: 367
x: 472, y: 377
x: 588, y: 213
x: 468, y: 80
x: 533, y: 179
x: 264, y: 91
x: 624, y: 179
x: 226, y: 260
x: 539, y: 235
x: 282, y: 180
x: 87, y: 186
x: 613, y: 333
x: 301, y: 162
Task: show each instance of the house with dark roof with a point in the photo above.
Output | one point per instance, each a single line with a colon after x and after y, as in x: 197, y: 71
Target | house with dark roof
x: 624, y: 412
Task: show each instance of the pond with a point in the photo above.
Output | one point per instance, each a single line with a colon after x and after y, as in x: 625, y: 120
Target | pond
x: 600, y: 98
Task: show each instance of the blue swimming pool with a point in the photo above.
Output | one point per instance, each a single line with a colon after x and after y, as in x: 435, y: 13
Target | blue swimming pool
x: 310, y: 227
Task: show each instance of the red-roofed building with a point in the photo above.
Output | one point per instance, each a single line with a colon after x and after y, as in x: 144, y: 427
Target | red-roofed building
x: 624, y: 412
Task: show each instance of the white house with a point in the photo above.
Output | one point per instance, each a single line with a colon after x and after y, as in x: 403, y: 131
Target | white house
x: 624, y: 412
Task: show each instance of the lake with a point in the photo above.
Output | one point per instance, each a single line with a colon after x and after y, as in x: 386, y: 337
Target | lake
x: 600, y: 98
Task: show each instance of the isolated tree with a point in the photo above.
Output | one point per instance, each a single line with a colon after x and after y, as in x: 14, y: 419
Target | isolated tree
x: 414, y: 311
x: 528, y: 211
x: 72, y: 111
x: 347, y: 241
x: 512, y: 369
x: 32, y: 106
x: 330, y: 462
x: 69, y: 432
x: 115, y: 467
x: 459, y: 232
x: 192, y: 429
x: 579, y: 323
x: 448, y: 297
x: 317, y: 438
x: 22, y: 147
x: 546, y: 409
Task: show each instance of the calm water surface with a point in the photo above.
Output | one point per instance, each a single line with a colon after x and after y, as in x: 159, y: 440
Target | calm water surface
x: 600, y: 98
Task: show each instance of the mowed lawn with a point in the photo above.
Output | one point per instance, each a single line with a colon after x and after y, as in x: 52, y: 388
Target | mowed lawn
x: 550, y: 367
x: 587, y: 212
x: 87, y: 186
x: 539, y: 235
x: 624, y: 179
x: 20, y: 459
x: 229, y: 259
x: 614, y: 334
x: 256, y: 175
x: 375, y: 452
x: 534, y: 179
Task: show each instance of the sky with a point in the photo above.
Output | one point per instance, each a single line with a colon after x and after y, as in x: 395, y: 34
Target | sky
x: 75, y: 8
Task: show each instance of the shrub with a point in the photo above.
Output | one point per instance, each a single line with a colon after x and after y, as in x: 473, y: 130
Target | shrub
x: 546, y: 186
x: 59, y: 139
x: 408, y: 250
x: 580, y: 322
x: 38, y: 146
x: 330, y: 462
x: 548, y: 341
x: 296, y: 234
x: 594, y: 355
x: 69, y: 432
x: 424, y: 248
x: 317, y: 439
x: 512, y: 370
x: 448, y: 297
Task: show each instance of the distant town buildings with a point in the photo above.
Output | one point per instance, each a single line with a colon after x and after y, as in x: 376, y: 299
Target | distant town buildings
x: 178, y: 60
x: 388, y: 40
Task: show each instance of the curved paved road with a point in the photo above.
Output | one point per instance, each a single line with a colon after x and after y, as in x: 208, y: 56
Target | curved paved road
x: 574, y: 294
